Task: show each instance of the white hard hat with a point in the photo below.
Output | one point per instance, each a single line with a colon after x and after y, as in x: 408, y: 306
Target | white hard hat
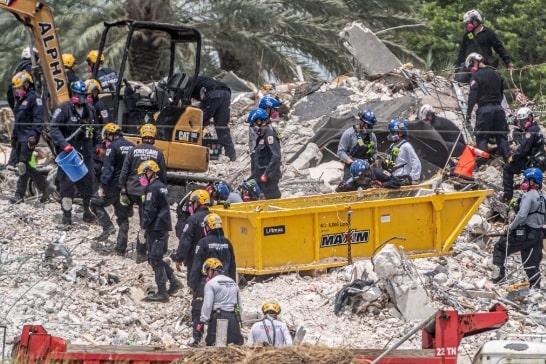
x: 25, y: 53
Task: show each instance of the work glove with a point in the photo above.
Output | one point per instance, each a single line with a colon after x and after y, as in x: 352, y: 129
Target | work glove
x: 510, y: 159
x: 100, y: 152
x: 512, y: 202
x: 264, y: 178
x: 376, y: 183
x: 201, y: 327
x: 178, y: 266
x: 371, y: 148
x: 395, y: 151
x: 68, y: 148
x: 32, y: 142
x: 124, y: 199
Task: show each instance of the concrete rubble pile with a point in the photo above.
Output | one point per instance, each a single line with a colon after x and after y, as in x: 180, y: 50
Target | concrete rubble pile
x: 78, y: 289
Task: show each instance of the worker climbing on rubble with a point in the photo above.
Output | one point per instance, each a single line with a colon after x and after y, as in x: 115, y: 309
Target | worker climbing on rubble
x: 358, y: 142
x: 103, y: 118
x: 364, y: 176
x: 68, y: 62
x: 192, y: 232
x: 249, y: 190
x: 156, y: 222
x: 27, y: 128
x: 131, y: 190
x: 213, y: 245
x: 270, y: 331
x: 222, y: 301
x: 479, y: 39
x: 266, y: 160
x: 117, y: 147
x: 402, y: 161
x: 450, y: 133
x: 530, y: 144
x: 487, y: 90
x: 107, y: 77
x: 215, y: 99
x: 524, y: 233
x: 74, y: 127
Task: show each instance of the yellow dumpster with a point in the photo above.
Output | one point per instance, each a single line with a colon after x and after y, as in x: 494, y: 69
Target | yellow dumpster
x: 312, y: 232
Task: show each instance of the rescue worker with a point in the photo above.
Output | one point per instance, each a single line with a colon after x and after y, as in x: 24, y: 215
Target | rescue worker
x: 220, y: 193
x: 192, y: 233
x: 525, y: 232
x: 450, y: 133
x: 215, y: 99
x: 25, y: 64
x: 479, y: 39
x: 271, y: 106
x: 213, y: 245
x: 68, y: 62
x: 358, y: 142
x: 109, y: 191
x: 402, y: 161
x: 156, y: 222
x: 487, y: 90
x: 131, y: 190
x: 107, y: 77
x: 266, y: 165
x: 365, y: 177
x: 27, y: 128
x: 103, y: 118
x: 270, y: 331
x: 74, y: 126
x: 222, y: 301
x: 250, y: 190
x: 530, y: 144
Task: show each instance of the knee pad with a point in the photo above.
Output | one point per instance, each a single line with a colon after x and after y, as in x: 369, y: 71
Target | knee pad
x: 66, y: 204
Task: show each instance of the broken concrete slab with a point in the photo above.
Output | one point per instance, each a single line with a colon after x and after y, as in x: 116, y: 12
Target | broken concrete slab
x: 368, y: 50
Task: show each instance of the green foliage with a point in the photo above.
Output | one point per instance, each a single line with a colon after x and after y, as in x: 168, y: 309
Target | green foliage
x: 519, y: 24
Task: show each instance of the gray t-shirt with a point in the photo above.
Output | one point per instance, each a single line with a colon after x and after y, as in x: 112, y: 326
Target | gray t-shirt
x: 221, y: 292
x: 262, y: 332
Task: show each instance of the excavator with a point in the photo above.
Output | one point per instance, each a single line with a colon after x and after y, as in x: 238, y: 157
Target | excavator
x: 168, y: 105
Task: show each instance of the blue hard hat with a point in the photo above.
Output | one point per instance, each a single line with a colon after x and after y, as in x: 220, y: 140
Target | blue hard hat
x: 223, y: 190
x: 268, y: 101
x: 256, y: 114
x: 252, y: 187
x: 399, y: 125
x: 79, y: 87
x: 534, y: 174
x: 359, y: 167
x: 368, y: 117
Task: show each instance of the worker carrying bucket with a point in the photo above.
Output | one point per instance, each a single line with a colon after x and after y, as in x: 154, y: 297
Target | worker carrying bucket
x: 72, y: 164
x: 467, y: 161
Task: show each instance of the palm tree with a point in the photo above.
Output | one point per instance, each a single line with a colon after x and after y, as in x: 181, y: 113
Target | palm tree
x: 260, y: 40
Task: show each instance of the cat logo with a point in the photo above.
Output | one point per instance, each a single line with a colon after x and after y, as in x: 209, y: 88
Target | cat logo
x: 187, y: 136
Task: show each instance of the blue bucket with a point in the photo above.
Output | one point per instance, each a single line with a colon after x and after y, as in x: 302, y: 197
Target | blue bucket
x: 72, y: 164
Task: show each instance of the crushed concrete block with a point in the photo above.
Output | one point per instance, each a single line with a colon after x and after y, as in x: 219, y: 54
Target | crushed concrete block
x: 387, y: 263
x: 370, y: 52
x: 310, y: 157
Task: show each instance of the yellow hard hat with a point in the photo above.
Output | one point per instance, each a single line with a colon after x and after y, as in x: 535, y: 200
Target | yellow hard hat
x: 201, y: 196
x: 211, y: 263
x: 146, y: 166
x: 148, y: 130
x: 92, y: 85
x: 213, y: 221
x: 20, y: 78
x: 110, y: 128
x: 68, y: 59
x: 92, y: 56
x: 271, y: 306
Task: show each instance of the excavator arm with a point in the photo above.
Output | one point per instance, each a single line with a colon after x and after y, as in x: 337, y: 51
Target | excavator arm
x: 37, y: 16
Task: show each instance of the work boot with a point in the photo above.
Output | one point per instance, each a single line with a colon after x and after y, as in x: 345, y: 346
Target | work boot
x: 174, y: 286
x: 498, y: 274
x: 105, y: 233
x: 16, y: 199
x: 141, y: 258
x: 67, y: 218
x: 160, y: 296
x: 88, y: 216
x: 45, y: 195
